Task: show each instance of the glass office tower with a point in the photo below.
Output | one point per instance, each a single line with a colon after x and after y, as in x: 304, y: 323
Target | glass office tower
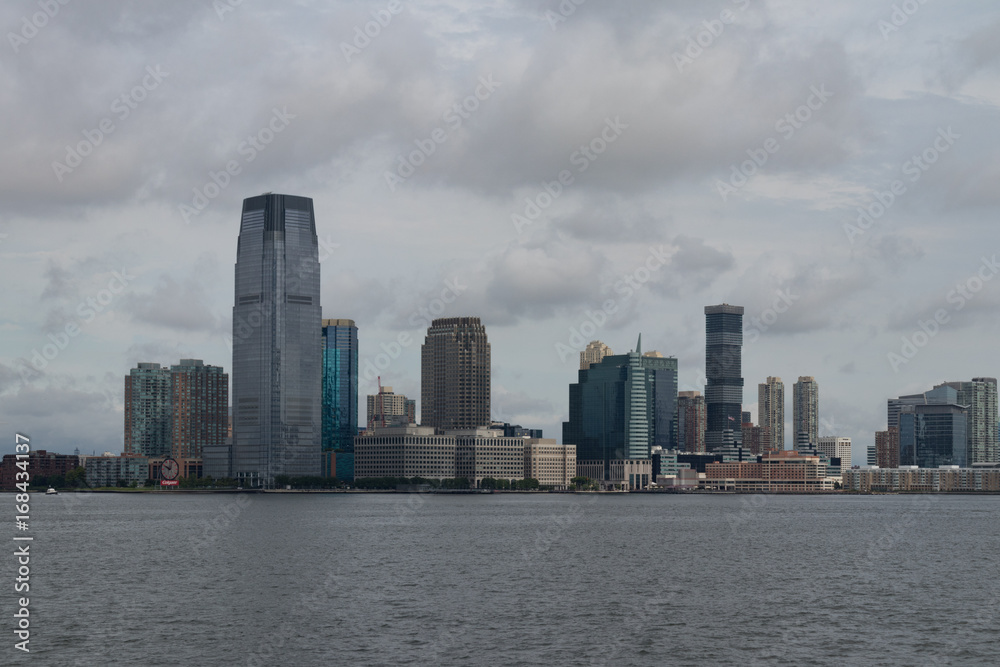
x: 340, y: 384
x: 723, y: 370
x: 623, y: 406
x: 277, y: 351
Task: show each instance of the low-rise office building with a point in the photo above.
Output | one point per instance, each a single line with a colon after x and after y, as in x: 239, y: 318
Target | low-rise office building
x: 549, y: 463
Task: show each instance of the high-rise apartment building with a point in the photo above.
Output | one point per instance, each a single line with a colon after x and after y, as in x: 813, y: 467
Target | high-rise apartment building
x: 887, y: 448
x: 277, y: 349
x: 391, y: 408
x: 594, y: 352
x: 771, y: 410
x: 622, y: 407
x: 147, y: 410
x: 805, y: 412
x: 175, y: 411
x: 455, y: 374
x: 691, y: 421
x: 723, y: 370
x: 340, y: 384
x: 199, y: 406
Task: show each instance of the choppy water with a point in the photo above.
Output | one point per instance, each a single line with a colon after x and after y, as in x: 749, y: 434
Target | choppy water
x: 510, y: 580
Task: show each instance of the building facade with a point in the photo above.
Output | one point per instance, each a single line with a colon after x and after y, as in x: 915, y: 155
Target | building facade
x: 199, y: 407
x: 886, y: 448
x: 836, y: 447
x: 277, y: 347
x: 723, y: 370
x: 455, y: 374
x: 805, y: 412
x: 924, y: 480
x: 408, y: 451
x: 593, y: 353
x: 691, y: 421
x: 147, y: 410
x: 623, y: 406
x: 771, y: 410
x: 933, y: 435
x: 40, y: 463
x: 549, y: 463
x: 340, y: 384
x: 389, y: 409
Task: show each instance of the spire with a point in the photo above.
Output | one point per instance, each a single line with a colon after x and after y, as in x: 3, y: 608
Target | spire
x: 638, y: 346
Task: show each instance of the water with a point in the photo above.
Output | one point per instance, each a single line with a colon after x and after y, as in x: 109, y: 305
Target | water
x: 378, y: 579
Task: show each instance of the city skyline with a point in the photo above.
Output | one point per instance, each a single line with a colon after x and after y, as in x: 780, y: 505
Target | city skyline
x: 121, y: 255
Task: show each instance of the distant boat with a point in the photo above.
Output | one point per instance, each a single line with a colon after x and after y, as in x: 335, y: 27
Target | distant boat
x: 51, y: 492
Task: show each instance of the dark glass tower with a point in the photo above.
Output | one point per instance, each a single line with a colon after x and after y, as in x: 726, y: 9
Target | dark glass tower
x: 622, y: 406
x: 723, y: 371
x: 277, y: 351
x: 340, y: 384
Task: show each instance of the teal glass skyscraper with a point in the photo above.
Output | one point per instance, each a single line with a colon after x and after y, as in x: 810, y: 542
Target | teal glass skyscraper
x: 340, y: 384
x: 277, y: 351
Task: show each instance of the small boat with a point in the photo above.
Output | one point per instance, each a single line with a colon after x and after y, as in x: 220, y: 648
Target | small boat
x: 51, y: 492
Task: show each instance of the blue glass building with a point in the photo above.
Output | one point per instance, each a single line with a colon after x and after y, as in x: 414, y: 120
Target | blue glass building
x: 340, y: 384
x: 277, y: 351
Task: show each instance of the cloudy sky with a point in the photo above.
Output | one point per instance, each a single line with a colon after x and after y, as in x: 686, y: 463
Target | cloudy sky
x: 553, y: 168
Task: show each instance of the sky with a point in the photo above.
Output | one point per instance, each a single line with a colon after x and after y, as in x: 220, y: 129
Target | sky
x: 566, y: 171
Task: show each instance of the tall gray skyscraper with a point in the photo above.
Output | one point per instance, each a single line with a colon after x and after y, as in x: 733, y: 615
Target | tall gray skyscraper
x: 723, y: 370
x: 455, y: 374
x: 805, y: 413
x: 277, y: 350
x: 771, y: 409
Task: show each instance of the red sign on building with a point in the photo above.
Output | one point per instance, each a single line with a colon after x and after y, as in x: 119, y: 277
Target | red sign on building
x: 169, y: 482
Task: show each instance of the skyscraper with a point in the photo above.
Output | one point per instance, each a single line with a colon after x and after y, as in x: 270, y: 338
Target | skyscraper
x: 771, y: 409
x: 147, y: 410
x: 594, y: 352
x: 199, y: 406
x: 980, y: 395
x: 691, y: 421
x: 622, y: 407
x: 340, y: 384
x: 277, y: 350
x: 455, y: 374
x: 723, y: 370
x: 805, y: 412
